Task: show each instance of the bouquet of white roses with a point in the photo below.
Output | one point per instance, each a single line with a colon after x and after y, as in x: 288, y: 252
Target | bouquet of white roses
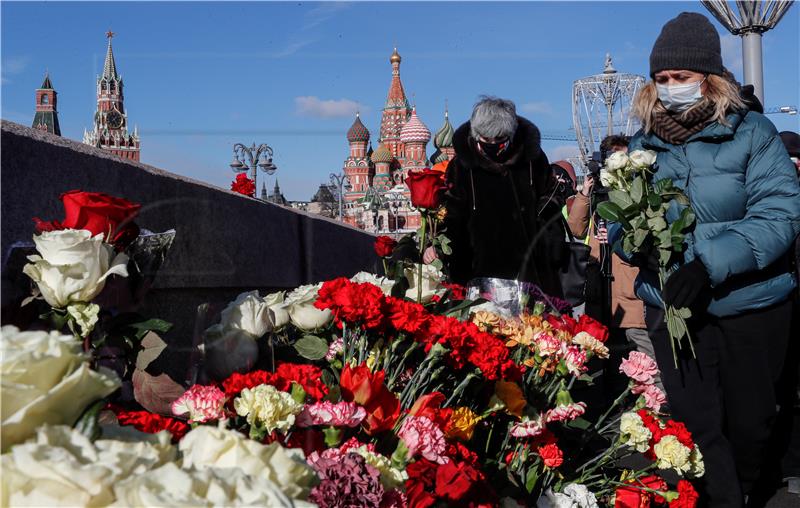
x: 639, y: 204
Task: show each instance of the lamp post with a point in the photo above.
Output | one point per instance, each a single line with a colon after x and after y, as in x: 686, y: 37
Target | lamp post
x: 252, y: 158
x: 754, y: 18
x: 341, y: 184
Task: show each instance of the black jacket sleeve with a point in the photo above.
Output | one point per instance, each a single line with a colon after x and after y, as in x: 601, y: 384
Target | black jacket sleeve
x: 458, y: 204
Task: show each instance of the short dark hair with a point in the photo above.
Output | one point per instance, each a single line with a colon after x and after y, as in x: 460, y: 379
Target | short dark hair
x: 613, y: 140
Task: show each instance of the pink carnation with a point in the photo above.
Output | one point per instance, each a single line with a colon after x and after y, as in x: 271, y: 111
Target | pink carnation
x: 355, y: 443
x: 653, y: 396
x: 529, y: 428
x: 565, y: 413
x: 335, y: 347
x: 639, y: 367
x: 547, y: 344
x: 575, y: 359
x: 341, y: 414
x: 423, y: 437
x: 203, y: 403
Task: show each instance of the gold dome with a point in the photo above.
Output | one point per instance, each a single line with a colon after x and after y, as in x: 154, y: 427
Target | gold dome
x: 395, y: 58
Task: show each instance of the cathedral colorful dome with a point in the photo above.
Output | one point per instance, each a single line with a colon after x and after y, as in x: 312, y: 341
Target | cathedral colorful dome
x: 414, y: 131
x: 357, y: 131
x: 382, y: 154
x: 444, y: 138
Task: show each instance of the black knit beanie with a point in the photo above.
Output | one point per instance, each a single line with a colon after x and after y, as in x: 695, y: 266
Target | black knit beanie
x: 791, y: 140
x: 687, y: 42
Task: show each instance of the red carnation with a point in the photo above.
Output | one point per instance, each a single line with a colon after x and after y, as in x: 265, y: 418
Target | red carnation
x: 687, y: 496
x: 353, y: 302
x: 384, y: 245
x: 420, y: 483
x: 634, y: 496
x: 408, y: 317
x: 244, y: 185
x: 426, y: 188
x: 592, y: 327
x: 99, y: 213
x: 551, y: 455
x: 151, y: 423
x: 307, y: 376
x: 237, y: 382
x: 457, y: 291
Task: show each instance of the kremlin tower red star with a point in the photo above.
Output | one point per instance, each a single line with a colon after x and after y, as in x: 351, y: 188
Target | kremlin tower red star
x: 378, y: 199
x: 110, y: 131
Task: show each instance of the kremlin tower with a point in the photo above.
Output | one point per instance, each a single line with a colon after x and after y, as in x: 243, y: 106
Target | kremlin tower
x: 357, y: 167
x: 46, y: 117
x: 110, y: 131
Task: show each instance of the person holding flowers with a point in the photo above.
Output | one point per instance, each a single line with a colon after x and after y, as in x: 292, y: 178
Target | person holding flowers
x: 734, y: 272
x: 503, y: 217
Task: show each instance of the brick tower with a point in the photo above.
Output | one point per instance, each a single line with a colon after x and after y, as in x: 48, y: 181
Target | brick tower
x: 46, y: 117
x: 357, y: 166
x: 396, y: 113
x: 110, y: 131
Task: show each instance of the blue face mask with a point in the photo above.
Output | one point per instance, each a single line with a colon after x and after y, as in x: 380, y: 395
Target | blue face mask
x: 679, y: 98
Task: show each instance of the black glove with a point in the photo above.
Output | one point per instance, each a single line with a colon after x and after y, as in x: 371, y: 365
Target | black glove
x: 683, y: 286
x: 646, y: 260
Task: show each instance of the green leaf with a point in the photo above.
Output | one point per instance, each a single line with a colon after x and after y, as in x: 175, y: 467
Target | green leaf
x: 662, y: 185
x: 298, y: 393
x: 621, y: 198
x: 639, y: 236
x: 311, y: 347
x: 612, y: 212
x: 654, y: 200
x: 676, y: 327
x: 579, y: 423
x: 663, y: 256
x: 684, y: 312
x: 531, y: 479
x: 153, y: 325
x: 664, y: 239
x: 437, y: 263
x: 688, y: 217
x: 637, y: 189
x: 152, y: 346
x: 87, y: 424
x: 657, y: 224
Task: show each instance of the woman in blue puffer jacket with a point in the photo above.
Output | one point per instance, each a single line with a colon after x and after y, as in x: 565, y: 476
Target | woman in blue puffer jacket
x: 736, y: 273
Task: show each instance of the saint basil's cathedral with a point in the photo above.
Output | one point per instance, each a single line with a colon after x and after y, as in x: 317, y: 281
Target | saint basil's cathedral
x: 377, y: 198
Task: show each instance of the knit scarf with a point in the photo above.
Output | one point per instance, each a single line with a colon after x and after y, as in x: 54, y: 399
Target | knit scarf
x: 677, y: 128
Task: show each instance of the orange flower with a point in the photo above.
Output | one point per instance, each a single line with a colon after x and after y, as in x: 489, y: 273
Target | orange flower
x: 511, y: 395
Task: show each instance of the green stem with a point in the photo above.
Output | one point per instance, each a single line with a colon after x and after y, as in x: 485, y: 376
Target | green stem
x: 421, y: 252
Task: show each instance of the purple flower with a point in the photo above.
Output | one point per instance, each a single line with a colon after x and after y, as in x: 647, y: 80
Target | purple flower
x: 347, y: 481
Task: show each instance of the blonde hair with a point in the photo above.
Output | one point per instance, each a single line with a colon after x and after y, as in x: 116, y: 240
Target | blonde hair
x: 720, y: 92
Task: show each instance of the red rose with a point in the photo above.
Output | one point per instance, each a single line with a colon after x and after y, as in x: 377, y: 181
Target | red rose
x: 592, y: 327
x: 551, y: 455
x: 383, y: 410
x: 630, y: 497
x: 426, y: 188
x: 563, y: 322
x: 307, y: 376
x: 98, y: 213
x: 244, y: 185
x: 359, y: 384
x: 687, y: 496
x: 384, y: 245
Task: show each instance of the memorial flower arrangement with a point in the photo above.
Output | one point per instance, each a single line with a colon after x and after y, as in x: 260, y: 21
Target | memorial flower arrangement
x: 243, y: 184
x: 641, y: 205
x: 368, y: 391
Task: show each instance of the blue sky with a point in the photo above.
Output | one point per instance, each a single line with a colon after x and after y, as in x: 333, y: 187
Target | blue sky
x: 200, y: 76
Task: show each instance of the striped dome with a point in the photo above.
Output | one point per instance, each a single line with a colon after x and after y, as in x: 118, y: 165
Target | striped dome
x: 444, y: 138
x: 357, y: 131
x: 382, y: 154
x: 414, y: 131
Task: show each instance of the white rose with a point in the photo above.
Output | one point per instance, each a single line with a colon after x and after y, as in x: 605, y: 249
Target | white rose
x: 275, y: 302
x: 84, y: 315
x: 207, y: 447
x: 384, y: 283
x: 617, y: 161
x: 249, y: 313
x: 431, y: 282
x: 61, y: 467
x: 300, y: 306
x: 581, y: 495
x: 642, y: 159
x: 608, y: 179
x: 45, y: 379
x: 73, y: 266
x: 171, y: 486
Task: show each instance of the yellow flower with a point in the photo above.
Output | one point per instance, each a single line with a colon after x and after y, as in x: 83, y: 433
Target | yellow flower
x: 267, y: 407
x: 462, y: 423
x: 441, y: 213
x: 487, y: 321
x: 511, y: 395
x: 671, y: 454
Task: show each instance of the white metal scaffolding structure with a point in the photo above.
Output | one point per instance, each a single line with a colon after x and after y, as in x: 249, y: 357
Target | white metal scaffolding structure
x: 601, y: 106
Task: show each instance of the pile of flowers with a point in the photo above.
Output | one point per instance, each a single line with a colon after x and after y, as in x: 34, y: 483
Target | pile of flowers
x: 370, y: 391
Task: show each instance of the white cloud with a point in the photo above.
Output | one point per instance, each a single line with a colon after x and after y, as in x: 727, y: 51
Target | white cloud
x: 562, y: 152
x: 11, y: 66
x: 314, y: 106
x: 541, y: 108
x: 732, y: 54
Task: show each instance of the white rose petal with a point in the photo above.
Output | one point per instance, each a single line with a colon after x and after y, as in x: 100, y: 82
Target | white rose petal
x: 300, y: 306
x: 45, y: 379
x: 275, y: 302
x: 431, y: 282
x: 249, y: 313
x: 384, y: 283
x: 73, y: 266
x: 642, y: 159
x: 617, y: 161
x: 85, y: 316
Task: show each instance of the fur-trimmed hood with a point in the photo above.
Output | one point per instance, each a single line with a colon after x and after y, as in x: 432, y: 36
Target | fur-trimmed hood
x: 526, y: 145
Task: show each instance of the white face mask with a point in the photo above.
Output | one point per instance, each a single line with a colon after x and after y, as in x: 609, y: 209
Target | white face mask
x: 680, y: 97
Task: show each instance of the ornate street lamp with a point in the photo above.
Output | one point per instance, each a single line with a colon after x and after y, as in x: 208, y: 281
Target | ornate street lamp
x: 342, y: 185
x: 754, y: 18
x: 252, y: 158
